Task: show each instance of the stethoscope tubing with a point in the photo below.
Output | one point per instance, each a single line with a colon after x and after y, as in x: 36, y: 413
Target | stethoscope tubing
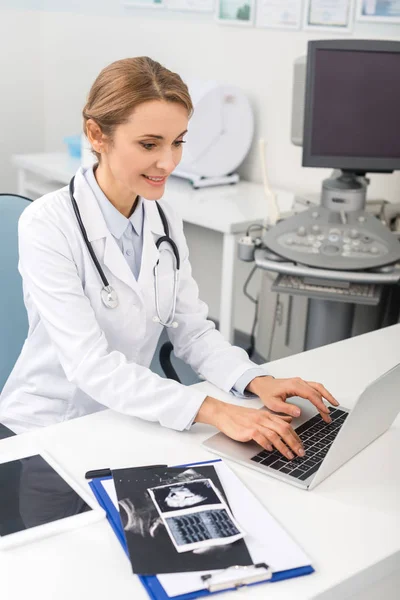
x: 84, y: 234
x: 108, y: 294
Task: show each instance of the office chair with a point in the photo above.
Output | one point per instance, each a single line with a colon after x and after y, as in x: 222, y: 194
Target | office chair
x: 13, y: 317
x: 165, y: 361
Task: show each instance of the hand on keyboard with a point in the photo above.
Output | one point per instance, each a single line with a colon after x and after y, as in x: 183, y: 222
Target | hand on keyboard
x: 268, y: 430
x: 275, y: 392
x: 246, y: 424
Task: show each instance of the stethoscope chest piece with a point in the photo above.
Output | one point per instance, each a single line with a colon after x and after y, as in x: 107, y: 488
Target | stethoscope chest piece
x: 109, y: 297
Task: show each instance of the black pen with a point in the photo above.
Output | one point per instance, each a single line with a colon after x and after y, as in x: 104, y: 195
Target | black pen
x: 107, y: 472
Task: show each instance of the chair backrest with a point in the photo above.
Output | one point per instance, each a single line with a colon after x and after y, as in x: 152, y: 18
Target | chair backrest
x: 13, y: 317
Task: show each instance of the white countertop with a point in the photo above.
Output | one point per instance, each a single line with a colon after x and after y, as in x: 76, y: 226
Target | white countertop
x: 227, y: 208
x: 349, y: 525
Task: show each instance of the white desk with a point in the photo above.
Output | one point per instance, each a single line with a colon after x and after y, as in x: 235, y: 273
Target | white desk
x: 229, y: 210
x: 349, y: 525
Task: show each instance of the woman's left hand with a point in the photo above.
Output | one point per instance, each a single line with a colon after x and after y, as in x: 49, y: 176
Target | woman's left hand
x: 275, y: 392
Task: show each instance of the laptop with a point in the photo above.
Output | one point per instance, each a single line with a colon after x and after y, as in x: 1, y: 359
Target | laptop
x: 327, y: 446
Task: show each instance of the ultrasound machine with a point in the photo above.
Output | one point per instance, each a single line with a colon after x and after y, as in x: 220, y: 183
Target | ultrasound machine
x: 346, y: 99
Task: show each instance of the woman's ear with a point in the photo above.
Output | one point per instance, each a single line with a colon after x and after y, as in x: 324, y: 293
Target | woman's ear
x: 95, y: 136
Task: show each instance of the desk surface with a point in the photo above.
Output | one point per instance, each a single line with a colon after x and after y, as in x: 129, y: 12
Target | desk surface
x: 349, y: 525
x: 227, y: 209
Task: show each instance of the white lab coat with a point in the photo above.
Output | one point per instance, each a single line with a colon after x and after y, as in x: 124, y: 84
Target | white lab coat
x: 81, y: 357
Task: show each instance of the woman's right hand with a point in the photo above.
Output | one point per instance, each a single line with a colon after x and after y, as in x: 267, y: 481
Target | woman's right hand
x: 246, y: 424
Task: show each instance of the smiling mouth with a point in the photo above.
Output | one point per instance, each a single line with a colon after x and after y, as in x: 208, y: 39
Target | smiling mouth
x: 155, y: 179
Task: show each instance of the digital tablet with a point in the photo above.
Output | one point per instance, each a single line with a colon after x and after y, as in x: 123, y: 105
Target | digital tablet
x: 39, y: 499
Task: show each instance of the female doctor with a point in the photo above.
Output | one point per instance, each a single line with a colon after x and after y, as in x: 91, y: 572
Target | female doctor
x: 105, y: 267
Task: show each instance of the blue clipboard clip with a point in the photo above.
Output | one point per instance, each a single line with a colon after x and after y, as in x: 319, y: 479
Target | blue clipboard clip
x: 236, y: 577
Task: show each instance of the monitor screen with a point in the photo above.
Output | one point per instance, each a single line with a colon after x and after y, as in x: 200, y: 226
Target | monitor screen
x: 352, y: 109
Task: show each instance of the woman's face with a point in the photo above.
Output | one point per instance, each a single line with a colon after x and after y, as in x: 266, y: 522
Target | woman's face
x: 148, y: 146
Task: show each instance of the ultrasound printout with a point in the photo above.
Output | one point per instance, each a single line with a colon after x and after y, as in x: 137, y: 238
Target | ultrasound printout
x: 150, y: 547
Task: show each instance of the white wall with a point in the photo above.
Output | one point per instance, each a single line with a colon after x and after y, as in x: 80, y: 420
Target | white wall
x: 21, y: 90
x: 260, y: 61
x: 75, y: 46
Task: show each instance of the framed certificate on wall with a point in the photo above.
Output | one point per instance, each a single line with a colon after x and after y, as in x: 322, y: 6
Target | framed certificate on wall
x: 384, y: 11
x: 191, y: 5
x: 145, y: 3
x: 281, y: 14
x: 329, y: 15
x: 235, y: 12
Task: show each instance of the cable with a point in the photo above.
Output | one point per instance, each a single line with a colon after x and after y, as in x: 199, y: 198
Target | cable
x: 271, y: 339
x: 246, y: 283
x: 273, y: 209
x: 250, y: 349
x: 256, y: 226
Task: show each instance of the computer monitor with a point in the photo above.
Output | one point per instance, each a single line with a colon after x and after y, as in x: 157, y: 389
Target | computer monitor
x: 352, y: 106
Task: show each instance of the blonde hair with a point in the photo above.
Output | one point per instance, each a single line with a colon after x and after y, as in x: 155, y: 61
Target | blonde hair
x: 124, y: 84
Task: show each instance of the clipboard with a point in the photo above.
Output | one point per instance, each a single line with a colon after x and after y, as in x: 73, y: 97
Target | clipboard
x: 229, y: 579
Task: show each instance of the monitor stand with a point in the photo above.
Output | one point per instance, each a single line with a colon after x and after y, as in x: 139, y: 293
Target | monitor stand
x: 345, y: 191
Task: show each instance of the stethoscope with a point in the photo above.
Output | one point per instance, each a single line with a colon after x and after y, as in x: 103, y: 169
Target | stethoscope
x: 108, y: 294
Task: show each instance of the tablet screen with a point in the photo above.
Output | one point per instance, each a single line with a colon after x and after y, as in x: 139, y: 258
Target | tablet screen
x: 32, y: 493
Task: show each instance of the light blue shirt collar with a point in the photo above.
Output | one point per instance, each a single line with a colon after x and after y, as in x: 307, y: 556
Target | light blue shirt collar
x: 116, y: 222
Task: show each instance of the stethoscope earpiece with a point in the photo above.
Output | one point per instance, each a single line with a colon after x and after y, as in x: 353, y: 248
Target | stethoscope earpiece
x: 174, y: 324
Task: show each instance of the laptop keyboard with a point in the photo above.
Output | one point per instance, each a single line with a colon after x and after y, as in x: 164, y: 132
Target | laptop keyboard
x: 317, y: 437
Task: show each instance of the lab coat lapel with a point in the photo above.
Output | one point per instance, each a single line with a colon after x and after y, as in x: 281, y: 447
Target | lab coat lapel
x: 152, y: 230
x: 116, y: 262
